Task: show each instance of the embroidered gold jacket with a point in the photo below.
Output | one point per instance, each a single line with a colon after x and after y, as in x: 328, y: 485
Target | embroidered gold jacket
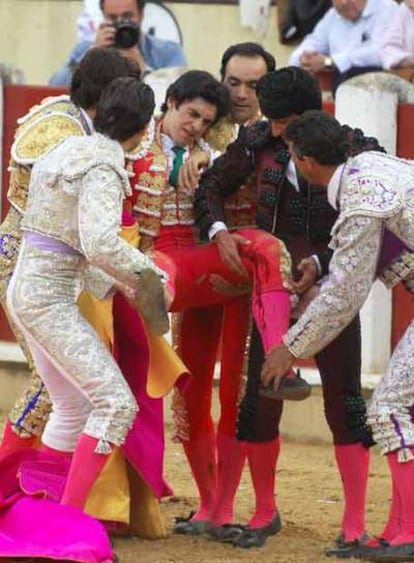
x: 42, y: 128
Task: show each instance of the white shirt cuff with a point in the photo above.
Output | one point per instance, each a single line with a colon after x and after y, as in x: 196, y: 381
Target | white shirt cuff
x: 318, y: 264
x: 215, y: 228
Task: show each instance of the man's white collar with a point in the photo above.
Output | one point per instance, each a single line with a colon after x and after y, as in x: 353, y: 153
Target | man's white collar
x: 334, y: 185
x: 89, y: 121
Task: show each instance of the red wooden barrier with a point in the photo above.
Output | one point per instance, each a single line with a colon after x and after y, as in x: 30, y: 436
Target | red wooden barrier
x: 17, y: 100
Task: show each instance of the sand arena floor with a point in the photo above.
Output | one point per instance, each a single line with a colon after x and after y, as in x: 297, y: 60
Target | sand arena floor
x: 308, y: 497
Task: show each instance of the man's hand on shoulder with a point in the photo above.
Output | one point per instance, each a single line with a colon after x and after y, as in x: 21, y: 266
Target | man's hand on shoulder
x: 228, y: 245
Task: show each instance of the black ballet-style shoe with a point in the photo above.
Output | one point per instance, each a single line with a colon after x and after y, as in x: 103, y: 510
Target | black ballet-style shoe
x: 188, y: 527
x: 226, y: 533
x: 366, y: 551
x: 290, y: 389
x: 389, y: 553
x: 256, y: 537
x: 343, y: 549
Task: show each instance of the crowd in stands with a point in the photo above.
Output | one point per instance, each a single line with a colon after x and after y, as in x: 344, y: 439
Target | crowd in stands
x: 358, y: 36
x: 344, y: 38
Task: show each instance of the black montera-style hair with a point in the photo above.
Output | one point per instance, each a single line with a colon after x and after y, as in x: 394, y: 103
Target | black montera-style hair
x: 95, y: 71
x: 247, y: 49
x: 124, y: 108
x: 319, y: 135
x: 288, y: 91
x: 199, y: 84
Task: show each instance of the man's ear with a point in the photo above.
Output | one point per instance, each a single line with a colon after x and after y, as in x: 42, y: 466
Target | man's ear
x: 309, y: 163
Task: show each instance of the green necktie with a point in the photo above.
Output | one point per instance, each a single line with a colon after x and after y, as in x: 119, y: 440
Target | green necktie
x: 177, y: 162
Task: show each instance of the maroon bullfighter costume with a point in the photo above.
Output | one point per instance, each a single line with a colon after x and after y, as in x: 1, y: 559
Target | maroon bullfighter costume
x: 302, y: 218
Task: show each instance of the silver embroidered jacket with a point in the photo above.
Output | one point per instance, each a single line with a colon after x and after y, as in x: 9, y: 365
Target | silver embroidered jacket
x: 75, y: 196
x: 376, y: 195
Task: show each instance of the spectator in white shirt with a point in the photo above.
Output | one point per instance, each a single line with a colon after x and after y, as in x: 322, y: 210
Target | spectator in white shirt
x: 347, y: 40
x: 398, y: 50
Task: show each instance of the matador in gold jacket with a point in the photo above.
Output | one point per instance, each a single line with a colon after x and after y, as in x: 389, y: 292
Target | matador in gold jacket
x: 41, y: 129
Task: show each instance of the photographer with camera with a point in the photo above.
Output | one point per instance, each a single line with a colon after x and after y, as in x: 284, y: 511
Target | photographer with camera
x: 121, y: 29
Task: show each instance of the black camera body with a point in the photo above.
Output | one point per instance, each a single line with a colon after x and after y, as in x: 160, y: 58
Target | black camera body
x: 126, y: 34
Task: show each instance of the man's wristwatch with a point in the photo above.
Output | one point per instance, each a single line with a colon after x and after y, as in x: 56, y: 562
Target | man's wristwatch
x: 328, y: 62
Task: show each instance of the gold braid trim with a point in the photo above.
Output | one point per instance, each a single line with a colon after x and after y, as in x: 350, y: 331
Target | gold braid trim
x: 398, y: 270
x: 149, y: 184
x: 181, y: 425
x: 42, y: 128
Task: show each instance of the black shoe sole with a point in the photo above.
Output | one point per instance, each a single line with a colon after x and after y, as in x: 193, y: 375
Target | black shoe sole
x: 228, y: 533
x: 197, y: 528
x: 256, y: 537
x: 288, y: 391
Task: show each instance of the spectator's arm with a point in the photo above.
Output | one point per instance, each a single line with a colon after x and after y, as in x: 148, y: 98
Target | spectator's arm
x: 395, y: 48
x: 63, y: 77
x: 369, y: 51
x: 174, y: 55
x: 317, y: 41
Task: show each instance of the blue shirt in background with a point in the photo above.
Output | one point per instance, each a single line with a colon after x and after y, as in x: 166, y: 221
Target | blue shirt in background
x: 157, y: 53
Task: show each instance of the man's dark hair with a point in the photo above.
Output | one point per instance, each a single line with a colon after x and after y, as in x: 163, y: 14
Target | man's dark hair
x: 319, y: 135
x: 288, y: 91
x: 247, y: 49
x: 124, y: 108
x: 140, y: 4
x: 95, y: 71
x: 199, y: 84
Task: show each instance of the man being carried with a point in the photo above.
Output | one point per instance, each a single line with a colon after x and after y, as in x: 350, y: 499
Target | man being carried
x: 165, y: 215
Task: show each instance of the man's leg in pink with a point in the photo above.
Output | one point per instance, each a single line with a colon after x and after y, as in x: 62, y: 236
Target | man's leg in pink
x: 231, y: 452
x: 198, y: 340
x: 353, y: 464
x: 339, y: 365
x: 391, y: 416
x: 258, y: 424
x: 269, y: 264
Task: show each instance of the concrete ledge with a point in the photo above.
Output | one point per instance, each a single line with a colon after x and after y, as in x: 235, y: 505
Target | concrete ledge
x: 14, y: 376
x: 11, y: 352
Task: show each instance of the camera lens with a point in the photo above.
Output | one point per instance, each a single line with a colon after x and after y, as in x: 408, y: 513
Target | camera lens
x: 126, y: 34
